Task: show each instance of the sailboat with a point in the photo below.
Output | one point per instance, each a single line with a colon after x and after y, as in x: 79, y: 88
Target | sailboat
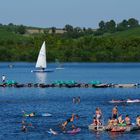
x: 59, y: 67
x: 41, y: 63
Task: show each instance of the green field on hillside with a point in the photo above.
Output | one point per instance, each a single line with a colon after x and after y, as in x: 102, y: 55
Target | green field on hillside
x: 122, y: 46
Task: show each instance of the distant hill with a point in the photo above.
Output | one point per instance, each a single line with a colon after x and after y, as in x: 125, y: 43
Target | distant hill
x: 134, y: 32
x: 80, y: 45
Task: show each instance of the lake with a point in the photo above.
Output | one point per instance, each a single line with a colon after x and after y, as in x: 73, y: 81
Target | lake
x: 58, y: 101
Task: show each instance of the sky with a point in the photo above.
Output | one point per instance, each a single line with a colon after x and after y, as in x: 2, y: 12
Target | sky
x: 58, y: 13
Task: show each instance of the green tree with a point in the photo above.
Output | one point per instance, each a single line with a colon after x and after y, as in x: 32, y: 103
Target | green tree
x: 21, y: 29
x: 132, y: 22
x: 122, y: 25
x: 84, y: 29
x: 89, y: 31
x: 10, y: 24
x: 53, y: 30
x: 69, y: 28
x: 77, y: 29
x: 102, y: 25
x: 110, y: 26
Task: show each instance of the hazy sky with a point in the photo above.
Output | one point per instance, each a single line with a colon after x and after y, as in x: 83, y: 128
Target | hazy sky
x: 58, y: 13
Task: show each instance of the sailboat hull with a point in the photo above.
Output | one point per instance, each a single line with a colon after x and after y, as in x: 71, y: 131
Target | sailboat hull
x: 59, y: 68
x: 46, y: 70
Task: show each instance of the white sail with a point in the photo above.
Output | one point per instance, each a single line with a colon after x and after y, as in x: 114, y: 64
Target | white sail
x: 41, y: 61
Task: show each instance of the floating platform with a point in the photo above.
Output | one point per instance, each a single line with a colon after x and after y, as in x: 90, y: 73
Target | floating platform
x: 96, y: 128
x: 125, y: 85
x: 68, y: 84
x: 125, y: 128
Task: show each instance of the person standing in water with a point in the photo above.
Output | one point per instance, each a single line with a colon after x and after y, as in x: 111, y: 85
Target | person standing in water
x: 23, y: 128
x: 78, y: 100
x: 3, y: 78
x: 74, y: 100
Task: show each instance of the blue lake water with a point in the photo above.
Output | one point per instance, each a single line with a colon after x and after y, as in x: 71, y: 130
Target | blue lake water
x: 58, y: 101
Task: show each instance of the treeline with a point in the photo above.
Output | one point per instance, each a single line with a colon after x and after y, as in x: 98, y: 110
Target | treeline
x: 74, y: 45
x: 18, y: 29
x: 111, y: 26
x: 104, y: 27
x: 75, y: 32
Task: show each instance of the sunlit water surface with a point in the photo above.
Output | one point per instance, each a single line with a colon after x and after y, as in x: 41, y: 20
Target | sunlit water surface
x: 58, y: 101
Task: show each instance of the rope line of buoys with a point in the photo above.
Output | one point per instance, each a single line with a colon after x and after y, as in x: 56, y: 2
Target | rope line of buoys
x: 68, y: 84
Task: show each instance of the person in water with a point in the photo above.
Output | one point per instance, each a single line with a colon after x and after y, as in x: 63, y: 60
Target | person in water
x: 75, y: 122
x: 78, y: 99
x: 29, y: 115
x: 24, y: 128
x: 115, y: 112
x: 23, y: 122
x: 127, y: 120
x: 74, y: 100
x: 53, y: 132
x: 70, y: 120
x: 32, y: 114
x: 138, y: 120
x: 25, y: 125
x: 3, y: 78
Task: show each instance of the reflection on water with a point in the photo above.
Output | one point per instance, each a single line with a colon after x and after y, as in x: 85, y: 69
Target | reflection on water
x: 41, y: 77
x: 115, y: 135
